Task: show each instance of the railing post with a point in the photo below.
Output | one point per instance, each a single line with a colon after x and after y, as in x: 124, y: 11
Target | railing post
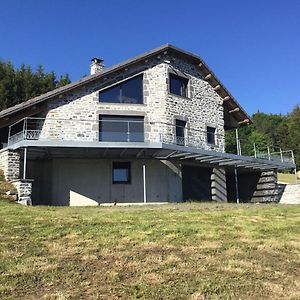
x: 128, y: 132
x: 293, y: 157
x: 237, y: 141
x: 269, y: 153
x: 24, y: 129
x: 281, y: 156
x: 9, y: 132
x: 295, y: 170
x: 255, y: 153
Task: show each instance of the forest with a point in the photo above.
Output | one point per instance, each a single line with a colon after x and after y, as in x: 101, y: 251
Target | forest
x: 276, y: 131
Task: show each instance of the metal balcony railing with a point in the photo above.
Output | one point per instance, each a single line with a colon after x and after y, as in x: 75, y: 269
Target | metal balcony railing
x: 119, y: 130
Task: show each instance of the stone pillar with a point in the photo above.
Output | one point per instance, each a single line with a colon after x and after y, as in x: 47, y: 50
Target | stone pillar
x: 24, y: 189
x: 218, y: 185
x: 10, y: 164
x: 266, y: 188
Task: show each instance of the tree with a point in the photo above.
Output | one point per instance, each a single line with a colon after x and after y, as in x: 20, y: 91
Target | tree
x: 18, y: 85
x: 63, y: 80
x: 293, y: 124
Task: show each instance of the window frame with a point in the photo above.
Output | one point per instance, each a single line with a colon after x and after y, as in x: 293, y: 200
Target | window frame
x: 122, y: 165
x: 183, y: 128
x: 212, y: 136
x: 170, y: 75
x: 119, y: 83
x: 121, y: 119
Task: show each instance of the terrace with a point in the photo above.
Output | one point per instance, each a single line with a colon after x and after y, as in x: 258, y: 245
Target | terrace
x: 116, y: 130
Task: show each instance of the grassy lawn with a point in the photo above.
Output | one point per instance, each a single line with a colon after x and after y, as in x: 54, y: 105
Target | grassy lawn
x: 287, y: 178
x: 180, y: 251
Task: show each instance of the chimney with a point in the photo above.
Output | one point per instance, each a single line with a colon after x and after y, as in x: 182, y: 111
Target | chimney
x: 97, y: 65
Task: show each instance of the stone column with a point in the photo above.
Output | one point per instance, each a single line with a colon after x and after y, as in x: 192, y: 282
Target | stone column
x: 218, y: 185
x: 266, y: 188
x: 24, y: 190
x: 10, y: 164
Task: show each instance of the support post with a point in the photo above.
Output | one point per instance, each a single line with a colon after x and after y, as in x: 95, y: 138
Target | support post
x: 295, y: 170
x: 144, y: 184
x: 128, y: 132
x: 24, y: 164
x: 269, y: 153
x: 281, y: 156
x: 237, y: 141
x: 255, y: 153
x: 236, y: 185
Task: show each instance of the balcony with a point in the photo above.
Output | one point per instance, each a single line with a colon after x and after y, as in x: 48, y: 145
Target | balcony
x: 133, y: 131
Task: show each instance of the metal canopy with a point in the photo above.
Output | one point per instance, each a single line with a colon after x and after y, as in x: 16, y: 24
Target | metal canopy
x: 140, y: 150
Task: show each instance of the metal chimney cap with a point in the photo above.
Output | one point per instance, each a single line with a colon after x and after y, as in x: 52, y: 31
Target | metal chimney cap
x: 97, y: 60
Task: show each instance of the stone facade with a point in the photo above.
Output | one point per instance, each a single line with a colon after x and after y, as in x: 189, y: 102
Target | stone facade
x: 24, y: 190
x: 266, y: 188
x: 75, y: 116
x: 10, y: 164
x: 218, y: 185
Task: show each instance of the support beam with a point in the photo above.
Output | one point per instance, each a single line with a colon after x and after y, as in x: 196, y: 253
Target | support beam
x: 123, y: 152
x: 226, y: 98
x: 195, y: 156
x: 231, y: 163
x: 140, y: 153
x: 218, y: 160
x: 234, y: 110
x: 208, y: 76
x: 179, y: 155
x: 208, y: 159
x: 244, y: 121
x: 169, y: 155
x: 217, y: 87
x: 155, y: 153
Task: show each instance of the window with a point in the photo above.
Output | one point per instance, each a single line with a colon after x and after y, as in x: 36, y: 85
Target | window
x: 211, y: 135
x: 121, y: 172
x: 129, y: 91
x: 121, y: 129
x: 180, y: 135
x: 178, y: 85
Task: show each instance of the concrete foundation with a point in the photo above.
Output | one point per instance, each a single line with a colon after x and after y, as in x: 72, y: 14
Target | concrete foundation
x: 81, y: 182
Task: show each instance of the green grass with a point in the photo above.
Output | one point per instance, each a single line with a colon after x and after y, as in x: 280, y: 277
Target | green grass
x: 180, y: 251
x: 287, y: 178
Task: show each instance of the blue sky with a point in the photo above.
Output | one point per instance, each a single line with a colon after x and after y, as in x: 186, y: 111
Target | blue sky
x: 252, y: 46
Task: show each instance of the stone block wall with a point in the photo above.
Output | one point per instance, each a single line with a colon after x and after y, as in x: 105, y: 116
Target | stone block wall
x: 203, y: 107
x: 24, y: 190
x: 75, y: 116
x: 266, y: 188
x: 10, y: 164
x: 218, y: 185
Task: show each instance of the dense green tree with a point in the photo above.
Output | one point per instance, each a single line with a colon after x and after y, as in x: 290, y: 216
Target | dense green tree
x: 269, y: 130
x: 20, y: 84
x: 293, y: 124
x: 63, y: 80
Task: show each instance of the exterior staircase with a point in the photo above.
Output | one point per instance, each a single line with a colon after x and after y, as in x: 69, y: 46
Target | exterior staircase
x: 289, y: 193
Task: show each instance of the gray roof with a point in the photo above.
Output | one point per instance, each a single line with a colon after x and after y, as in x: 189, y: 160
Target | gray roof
x: 241, y: 115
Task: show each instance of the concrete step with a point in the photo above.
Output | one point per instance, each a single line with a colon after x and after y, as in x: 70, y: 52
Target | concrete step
x: 290, y: 193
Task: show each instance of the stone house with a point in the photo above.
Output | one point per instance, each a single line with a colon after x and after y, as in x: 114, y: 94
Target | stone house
x: 148, y: 130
